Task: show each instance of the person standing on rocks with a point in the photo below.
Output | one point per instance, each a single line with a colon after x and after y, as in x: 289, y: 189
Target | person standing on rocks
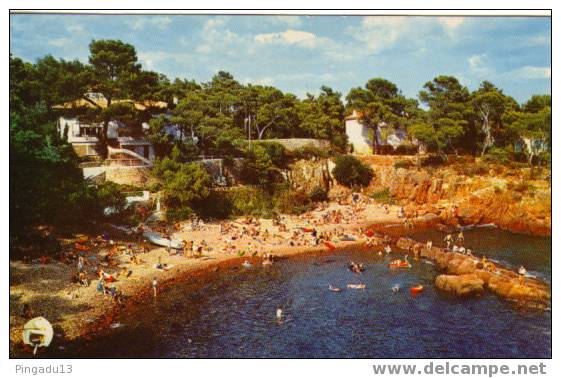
x: 448, y: 240
x: 460, y: 238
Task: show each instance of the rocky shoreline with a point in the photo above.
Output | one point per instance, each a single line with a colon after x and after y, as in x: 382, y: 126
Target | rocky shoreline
x: 467, y: 276
x: 463, y: 276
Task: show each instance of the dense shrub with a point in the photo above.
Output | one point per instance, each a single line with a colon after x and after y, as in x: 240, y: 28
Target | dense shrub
x: 217, y: 205
x: 318, y: 194
x: 473, y: 169
x: 184, y: 185
x: 521, y: 187
x: 403, y: 164
x: 498, y: 155
x: 433, y: 161
x: 276, y: 152
x: 257, y: 167
x: 110, y: 195
x: 351, y: 172
x: 257, y: 201
x: 309, y: 152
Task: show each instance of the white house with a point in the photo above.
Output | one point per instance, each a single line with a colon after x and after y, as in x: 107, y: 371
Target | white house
x: 357, y: 134
x: 360, y: 136
x: 84, y: 138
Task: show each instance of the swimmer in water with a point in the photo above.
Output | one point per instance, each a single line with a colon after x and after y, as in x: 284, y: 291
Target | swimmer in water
x: 279, y: 313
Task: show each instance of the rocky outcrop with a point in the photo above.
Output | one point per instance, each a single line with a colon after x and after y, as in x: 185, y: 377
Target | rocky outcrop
x: 465, y: 285
x: 465, y: 276
x: 480, y: 198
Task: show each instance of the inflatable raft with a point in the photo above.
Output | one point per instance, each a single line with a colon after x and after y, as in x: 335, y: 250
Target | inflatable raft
x: 329, y: 245
x: 417, y: 289
x: 399, y: 264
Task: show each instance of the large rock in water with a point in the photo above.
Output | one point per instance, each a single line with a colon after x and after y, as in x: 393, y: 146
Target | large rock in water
x: 461, y: 264
x: 465, y: 285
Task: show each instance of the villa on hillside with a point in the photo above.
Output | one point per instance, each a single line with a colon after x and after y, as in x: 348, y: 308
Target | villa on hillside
x: 361, y: 138
x: 85, y: 136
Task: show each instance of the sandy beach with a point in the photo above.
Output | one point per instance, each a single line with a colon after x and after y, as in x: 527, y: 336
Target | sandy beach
x: 77, y: 311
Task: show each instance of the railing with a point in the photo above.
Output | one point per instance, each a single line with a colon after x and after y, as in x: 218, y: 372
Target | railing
x: 124, y: 163
x: 130, y: 153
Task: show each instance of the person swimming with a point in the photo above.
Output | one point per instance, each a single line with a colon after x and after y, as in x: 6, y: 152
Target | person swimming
x: 279, y: 313
x: 332, y: 288
x: 395, y: 288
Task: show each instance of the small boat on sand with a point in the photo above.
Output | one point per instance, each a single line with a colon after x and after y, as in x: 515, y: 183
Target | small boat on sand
x: 246, y: 264
x: 356, y: 286
x: 37, y: 333
x: 417, y: 289
x: 157, y: 239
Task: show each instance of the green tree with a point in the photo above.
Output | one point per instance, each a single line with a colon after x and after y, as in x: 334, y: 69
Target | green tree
x: 184, y: 185
x: 46, y: 185
x: 425, y: 134
x: 323, y: 117
x: 449, y: 111
x: 534, y: 130
x: 269, y: 111
x: 489, y: 104
x: 351, y: 172
x: 379, y: 102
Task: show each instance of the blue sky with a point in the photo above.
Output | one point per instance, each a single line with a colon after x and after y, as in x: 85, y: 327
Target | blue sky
x: 299, y: 54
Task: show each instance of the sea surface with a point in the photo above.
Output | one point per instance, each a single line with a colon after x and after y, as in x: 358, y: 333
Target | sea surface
x: 232, y: 313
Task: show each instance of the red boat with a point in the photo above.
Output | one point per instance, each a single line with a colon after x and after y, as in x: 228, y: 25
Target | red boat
x: 417, y: 289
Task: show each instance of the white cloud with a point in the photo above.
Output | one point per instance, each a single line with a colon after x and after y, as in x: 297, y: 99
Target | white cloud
x: 450, y: 24
x: 216, y: 38
x: 291, y: 37
x: 383, y: 32
x: 59, y: 42
x: 380, y: 32
x: 478, y: 64
x: 74, y: 28
x: 213, y: 23
x: 139, y: 22
x: 152, y: 59
x: 531, y: 72
x: 286, y: 20
x: 265, y: 81
x: 326, y: 46
x: 538, y: 40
